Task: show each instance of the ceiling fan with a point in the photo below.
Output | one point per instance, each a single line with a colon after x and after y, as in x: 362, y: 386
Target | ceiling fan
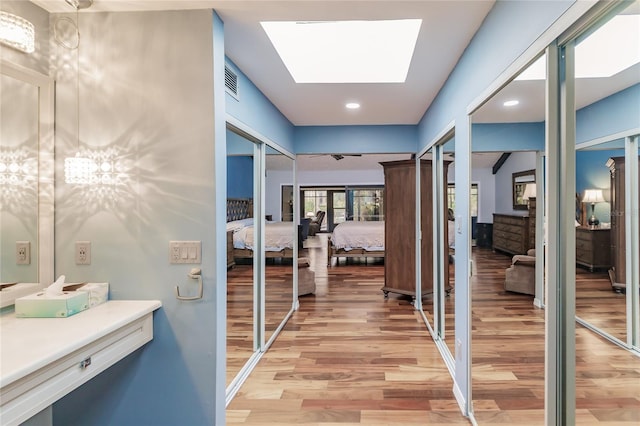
x: 338, y: 157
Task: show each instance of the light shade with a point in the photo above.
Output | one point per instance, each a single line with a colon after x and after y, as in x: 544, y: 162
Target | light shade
x: 529, y: 191
x: 345, y: 51
x: 17, y: 32
x: 593, y: 196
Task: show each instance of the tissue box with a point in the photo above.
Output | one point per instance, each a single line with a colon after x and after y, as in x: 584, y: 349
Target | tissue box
x: 38, y: 305
x: 98, y: 292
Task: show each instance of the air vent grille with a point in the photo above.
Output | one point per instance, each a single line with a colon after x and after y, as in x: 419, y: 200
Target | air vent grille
x: 231, y: 82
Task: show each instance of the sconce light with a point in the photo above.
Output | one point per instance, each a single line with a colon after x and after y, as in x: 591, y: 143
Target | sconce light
x: 17, y: 32
x: 593, y: 196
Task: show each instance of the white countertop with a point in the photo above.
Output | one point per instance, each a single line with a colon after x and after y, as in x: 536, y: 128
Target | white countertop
x: 28, y: 344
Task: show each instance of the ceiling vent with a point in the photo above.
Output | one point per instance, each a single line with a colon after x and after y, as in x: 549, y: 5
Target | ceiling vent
x: 231, y: 82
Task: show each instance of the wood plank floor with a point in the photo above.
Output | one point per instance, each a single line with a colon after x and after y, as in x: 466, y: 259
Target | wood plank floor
x: 349, y: 356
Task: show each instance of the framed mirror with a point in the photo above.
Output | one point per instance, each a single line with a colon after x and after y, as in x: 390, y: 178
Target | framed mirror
x: 523, y: 187
x: 26, y: 171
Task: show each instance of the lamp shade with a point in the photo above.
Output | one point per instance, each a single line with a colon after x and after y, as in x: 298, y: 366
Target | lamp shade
x: 593, y: 196
x: 529, y: 191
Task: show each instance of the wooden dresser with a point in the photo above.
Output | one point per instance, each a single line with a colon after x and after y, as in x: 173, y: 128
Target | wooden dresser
x: 618, y: 271
x: 400, y: 227
x: 593, y: 247
x: 511, y: 233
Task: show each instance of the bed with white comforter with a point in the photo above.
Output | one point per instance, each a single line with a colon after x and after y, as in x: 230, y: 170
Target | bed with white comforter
x: 279, y: 238
x: 357, y: 239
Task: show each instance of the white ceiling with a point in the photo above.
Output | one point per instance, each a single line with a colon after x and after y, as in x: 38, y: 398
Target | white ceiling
x: 446, y: 30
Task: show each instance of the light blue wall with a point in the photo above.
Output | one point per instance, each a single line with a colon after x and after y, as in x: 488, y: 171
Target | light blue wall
x: 355, y: 139
x: 508, y: 137
x: 613, y: 114
x: 155, y: 108
x: 256, y: 111
x: 239, y: 177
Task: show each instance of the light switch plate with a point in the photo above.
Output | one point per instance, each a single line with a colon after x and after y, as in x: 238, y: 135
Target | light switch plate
x: 181, y: 252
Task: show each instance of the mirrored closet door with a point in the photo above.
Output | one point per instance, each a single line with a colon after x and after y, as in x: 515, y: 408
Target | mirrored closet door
x: 242, y: 280
x: 607, y: 95
x: 437, y: 243
x: 508, y: 329
x: 280, y: 240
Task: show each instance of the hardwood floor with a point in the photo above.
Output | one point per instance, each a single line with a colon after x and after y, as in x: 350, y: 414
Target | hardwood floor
x: 349, y: 356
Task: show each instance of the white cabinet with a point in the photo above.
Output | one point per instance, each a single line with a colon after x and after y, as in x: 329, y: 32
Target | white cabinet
x: 43, y: 359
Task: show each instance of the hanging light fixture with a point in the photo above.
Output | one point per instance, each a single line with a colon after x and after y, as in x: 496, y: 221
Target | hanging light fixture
x: 17, y: 32
x: 78, y: 169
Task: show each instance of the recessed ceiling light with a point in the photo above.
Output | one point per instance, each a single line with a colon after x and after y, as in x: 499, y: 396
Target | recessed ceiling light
x: 511, y: 103
x: 345, y: 51
x: 352, y: 105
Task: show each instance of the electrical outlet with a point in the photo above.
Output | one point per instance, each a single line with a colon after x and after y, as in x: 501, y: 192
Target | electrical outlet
x: 83, y: 252
x: 23, y: 252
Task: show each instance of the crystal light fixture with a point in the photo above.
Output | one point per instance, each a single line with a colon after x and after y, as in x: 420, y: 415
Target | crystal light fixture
x: 17, y: 32
x: 78, y: 170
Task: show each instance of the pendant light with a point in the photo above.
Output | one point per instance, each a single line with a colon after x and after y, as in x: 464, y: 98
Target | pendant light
x: 78, y: 169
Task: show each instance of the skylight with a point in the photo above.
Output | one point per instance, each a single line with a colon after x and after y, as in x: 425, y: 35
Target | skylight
x: 612, y: 48
x: 345, y: 51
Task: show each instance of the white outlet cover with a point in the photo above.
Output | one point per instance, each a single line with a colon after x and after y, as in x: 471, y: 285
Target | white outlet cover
x: 83, y: 253
x: 23, y: 252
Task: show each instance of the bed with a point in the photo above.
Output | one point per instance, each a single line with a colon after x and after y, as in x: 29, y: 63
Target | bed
x: 278, y: 242
x: 356, y: 239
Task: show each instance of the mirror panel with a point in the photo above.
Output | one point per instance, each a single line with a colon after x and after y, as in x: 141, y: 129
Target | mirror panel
x: 448, y: 302
x: 600, y: 300
x: 607, y: 74
x: 26, y: 174
x: 280, y: 238
x: 241, y: 281
x: 18, y: 179
x: 507, y: 329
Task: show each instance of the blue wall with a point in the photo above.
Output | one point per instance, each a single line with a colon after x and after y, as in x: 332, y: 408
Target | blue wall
x: 355, y: 139
x: 257, y: 112
x: 613, y: 114
x: 240, y: 177
x: 508, y: 137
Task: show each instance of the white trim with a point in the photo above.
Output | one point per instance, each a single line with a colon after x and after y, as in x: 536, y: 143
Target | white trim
x: 257, y: 136
x: 241, y: 377
x: 633, y: 235
x: 608, y: 138
x: 440, y: 136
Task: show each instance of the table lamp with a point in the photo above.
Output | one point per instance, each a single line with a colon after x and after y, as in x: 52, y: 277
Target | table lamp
x: 593, y: 196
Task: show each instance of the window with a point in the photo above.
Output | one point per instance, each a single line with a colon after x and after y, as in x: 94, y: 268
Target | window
x: 473, y: 201
x: 366, y: 204
x: 314, y: 200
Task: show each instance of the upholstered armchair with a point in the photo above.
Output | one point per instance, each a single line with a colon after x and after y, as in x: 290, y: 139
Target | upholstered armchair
x: 316, y: 224
x: 520, y: 277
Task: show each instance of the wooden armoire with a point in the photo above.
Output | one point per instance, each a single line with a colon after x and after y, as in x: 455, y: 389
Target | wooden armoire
x: 400, y: 226
x: 618, y: 272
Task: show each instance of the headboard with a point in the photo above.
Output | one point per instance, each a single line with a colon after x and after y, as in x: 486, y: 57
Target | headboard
x: 239, y: 208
